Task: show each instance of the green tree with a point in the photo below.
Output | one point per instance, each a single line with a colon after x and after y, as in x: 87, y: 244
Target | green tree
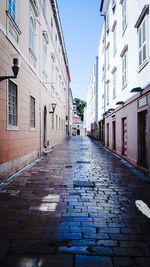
x: 80, y: 107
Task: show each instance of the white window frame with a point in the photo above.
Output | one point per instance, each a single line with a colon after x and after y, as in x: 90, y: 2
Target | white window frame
x: 44, y: 55
x: 32, y: 31
x: 114, y: 41
x: 124, y: 16
x: 31, y: 127
x: 10, y: 126
x: 107, y: 22
x: 108, y: 92
x: 143, y: 45
x: 113, y: 4
x: 44, y: 6
x: 108, y: 56
x: 10, y: 10
x: 114, y: 83
x: 124, y: 69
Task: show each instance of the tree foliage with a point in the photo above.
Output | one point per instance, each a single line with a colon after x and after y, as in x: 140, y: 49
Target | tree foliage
x: 80, y: 107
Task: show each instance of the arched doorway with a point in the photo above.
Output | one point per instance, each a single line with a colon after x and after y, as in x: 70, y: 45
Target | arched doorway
x: 45, y: 126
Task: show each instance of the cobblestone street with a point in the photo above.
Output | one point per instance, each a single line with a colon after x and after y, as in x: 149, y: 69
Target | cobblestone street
x: 76, y: 207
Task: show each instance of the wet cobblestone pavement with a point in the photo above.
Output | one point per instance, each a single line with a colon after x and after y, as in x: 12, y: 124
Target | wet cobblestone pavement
x: 75, y: 208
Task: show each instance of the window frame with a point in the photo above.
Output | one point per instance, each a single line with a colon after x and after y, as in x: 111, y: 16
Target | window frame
x: 10, y: 10
x: 114, y: 83
x: 33, y: 41
x: 31, y: 127
x: 44, y: 52
x: 143, y: 43
x: 10, y: 126
x: 108, y: 92
x: 124, y: 16
x: 124, y: 69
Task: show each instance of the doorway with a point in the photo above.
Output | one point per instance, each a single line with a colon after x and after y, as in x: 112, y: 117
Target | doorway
x: 78, y: 132
x: 114, y: 135
x: 142, y: 139
x: 107, y: 134
x: 124, y: 136
x: 45, y: 126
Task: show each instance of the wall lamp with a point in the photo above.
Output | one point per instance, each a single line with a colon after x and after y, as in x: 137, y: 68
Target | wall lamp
x: 111, y: 109
x: 105, y: 113
x: 136, y: 90
x: 120, y: 103
x: 53, y: 107
x: 15, y: 69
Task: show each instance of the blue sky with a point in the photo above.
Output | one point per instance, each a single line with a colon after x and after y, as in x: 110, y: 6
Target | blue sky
x: 81, y: 24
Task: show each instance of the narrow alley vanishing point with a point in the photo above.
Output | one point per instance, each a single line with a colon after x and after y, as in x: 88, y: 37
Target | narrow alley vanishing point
x: 77, y: 206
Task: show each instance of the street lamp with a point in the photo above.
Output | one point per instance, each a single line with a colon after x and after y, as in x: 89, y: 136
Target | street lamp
x: 53, y: 107
x: 15, y: 69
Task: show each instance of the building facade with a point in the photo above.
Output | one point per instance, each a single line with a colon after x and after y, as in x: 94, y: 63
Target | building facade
x: 92, y: 103
x: 28, y: 124
x: 124, y: 82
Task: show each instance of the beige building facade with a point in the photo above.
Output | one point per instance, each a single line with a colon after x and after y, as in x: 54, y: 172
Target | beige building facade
x: 31, y: 32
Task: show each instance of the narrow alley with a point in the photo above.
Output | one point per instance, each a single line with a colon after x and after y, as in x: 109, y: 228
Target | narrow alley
x: 79, y: 206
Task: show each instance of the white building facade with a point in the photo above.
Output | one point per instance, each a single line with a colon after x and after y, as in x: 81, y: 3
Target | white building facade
x: 124, y: 55
x: 92, y: 102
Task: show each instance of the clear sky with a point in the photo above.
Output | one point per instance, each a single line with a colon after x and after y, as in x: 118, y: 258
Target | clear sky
x: 81, y: 24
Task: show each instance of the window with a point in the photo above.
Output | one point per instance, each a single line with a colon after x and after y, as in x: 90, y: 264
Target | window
x: 13, y: 30
x: 102, y: 101
x: 142, y: 26
x: 32, y: 112
x: 12, y: 8
x: 56, y: 122
x: 12, y: 104
x: 124, y: 16
x: 44, y: 6
x: 107, y: 92
x: 107, y: 22
x: 103, y: 72
x: 113, y: 4
x: 52, y: 121
x: 114, y: 84
x: 142, y: 42
x: 124, y: 69
x: 108, y: 56
x: 32, y: 31
x: 44, y: 55
x: 114, y: 42
x: 52, y: 26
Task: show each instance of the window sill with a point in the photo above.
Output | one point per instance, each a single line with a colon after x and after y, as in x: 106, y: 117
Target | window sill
x: 124, y: 30
x: 12, y: 27
x: 143, y: 64
x: 12, y: 128
x: 124, y: 86
x: 32, y: 129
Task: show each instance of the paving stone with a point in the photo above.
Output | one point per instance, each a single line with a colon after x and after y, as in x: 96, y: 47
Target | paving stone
x: 83, y: 242
x: 95, y: 261
x: 128, y: 251
x: 75, y: 250
x: 82, y: 230
x: 104, y: 251
x: 107, y: 243
x: 56, y: 261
